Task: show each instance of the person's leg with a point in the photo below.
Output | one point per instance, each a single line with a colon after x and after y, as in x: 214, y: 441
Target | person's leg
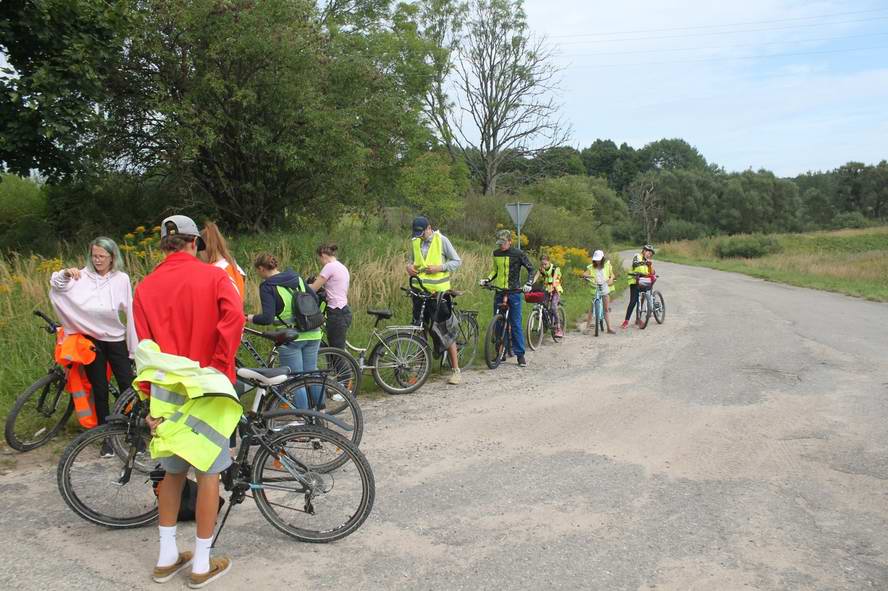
x: 336, y: 327
x: 516, y: 320
x: 607, y: 318
x: 169, y: 497
x: 96, y: 373
x: 205, y: 569
x: 310, y: 363
x: 633, y: 300
x: 417, y: 310
x: 118, y: 356
x: 291, y: 356
x: 556, y: 299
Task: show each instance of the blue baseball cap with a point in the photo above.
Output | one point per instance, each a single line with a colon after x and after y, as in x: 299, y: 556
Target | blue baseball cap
x: 420, y: 224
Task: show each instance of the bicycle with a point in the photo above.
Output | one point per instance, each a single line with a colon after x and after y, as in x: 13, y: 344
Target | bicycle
x: 650, y: 302
x: 498, y: 338
x: 597, y: 309
x: 543, y: 318
x: 467, y: 336
x: 41, y: 411
x: 284, y: 470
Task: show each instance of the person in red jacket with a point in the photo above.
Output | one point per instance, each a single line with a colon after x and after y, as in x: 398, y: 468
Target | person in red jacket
x: 191, y: 309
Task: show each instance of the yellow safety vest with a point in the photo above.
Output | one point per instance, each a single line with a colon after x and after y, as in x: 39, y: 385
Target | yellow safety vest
x: 199, y: 405
x: 552, y: 278
x: 434, y: 257
x: 640, y: 268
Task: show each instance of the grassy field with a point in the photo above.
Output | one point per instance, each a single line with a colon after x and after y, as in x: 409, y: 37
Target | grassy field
x: 853, y: 262
x: 375, y: 257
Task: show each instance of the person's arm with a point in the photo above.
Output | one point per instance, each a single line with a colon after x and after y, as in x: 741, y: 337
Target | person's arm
x: 132, y: 340
x: 143, y: 329
x: 62, y: 280
x: 452, y: 261
x: 536, y: 277
x: 319, y: 281
x: 230, y: 326
x: 493, y: 273
x: 525, y: 262
x: 411, y: 267
x: 268, y: 298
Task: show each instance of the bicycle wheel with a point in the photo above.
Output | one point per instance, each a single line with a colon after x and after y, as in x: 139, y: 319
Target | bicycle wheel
x: 307, y: 504
x: 96, y: 489
x: 597, y: 306
x: 535, y: 328
x: 659, y: 307
x: 494, y: 341
x: 466, y: 342
x: 127, y: 403
x: 644, y: 309
x: 39, y: 412
x: 342, y: 367
x: 338, y: 402
x: 401, y: 363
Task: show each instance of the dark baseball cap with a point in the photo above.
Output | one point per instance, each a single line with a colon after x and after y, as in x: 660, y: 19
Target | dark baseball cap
x: 420, y: 223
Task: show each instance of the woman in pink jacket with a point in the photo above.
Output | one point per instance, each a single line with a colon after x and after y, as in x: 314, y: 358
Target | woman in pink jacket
x: 92, y: 302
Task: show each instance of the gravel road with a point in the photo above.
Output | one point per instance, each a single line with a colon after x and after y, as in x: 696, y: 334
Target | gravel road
x: 743, y: 444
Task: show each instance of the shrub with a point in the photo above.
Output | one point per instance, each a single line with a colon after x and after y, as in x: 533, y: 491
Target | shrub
x: 680, y: 230
x: 748, y: 247
x: 850, y: 219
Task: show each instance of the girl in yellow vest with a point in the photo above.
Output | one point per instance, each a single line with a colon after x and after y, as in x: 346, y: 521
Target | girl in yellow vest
x: 551, y: 275
x: 602, y: 274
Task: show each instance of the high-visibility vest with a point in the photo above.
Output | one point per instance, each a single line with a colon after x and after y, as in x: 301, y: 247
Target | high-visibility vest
x: 639, y: 265
x: 552, y: 278
x: 74, y: 352
x: 434, y: 257
x: 199, y: 405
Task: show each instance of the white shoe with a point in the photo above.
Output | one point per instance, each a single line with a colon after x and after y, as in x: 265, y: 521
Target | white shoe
x: 455, y: 377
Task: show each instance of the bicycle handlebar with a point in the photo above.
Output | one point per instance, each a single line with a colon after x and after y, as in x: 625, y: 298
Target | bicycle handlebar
x: 51, y: 327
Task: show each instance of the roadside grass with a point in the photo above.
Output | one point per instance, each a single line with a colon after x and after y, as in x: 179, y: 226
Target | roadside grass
x: 376, y: 259
x: 853, y: 262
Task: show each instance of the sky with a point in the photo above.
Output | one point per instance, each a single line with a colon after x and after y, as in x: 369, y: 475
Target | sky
x: 788, y: 85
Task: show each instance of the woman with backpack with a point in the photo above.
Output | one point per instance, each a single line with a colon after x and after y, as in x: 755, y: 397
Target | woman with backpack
x: 278, y: 293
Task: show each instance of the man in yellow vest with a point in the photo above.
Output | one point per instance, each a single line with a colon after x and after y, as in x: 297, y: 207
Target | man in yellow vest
x: 433, y: 259
x: 189, y: 319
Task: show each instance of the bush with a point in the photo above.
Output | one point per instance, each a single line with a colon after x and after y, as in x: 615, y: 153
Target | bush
x: 22, y: 211
x: 747, y: 247
x: 681, y: 230
x: 850, y: 219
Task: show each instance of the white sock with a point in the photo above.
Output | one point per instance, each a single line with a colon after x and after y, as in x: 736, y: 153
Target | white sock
x: 169, y: 552
x: 201, y: 562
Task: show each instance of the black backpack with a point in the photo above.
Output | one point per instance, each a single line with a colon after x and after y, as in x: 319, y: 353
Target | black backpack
x: 306, y: 308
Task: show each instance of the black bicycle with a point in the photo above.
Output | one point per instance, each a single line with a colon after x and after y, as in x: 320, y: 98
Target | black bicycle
x: 41, y: 411
x: 467, y: 336
x: 498, y: 338
x: 650, y: 302
x: 543, y: 318
x: 288, y: 476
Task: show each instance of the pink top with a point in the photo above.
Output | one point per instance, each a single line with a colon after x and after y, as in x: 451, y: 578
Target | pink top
x: 337, y: 280
x: 93, y: 304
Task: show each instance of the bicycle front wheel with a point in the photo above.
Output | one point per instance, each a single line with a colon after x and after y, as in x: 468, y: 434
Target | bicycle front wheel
x: 401, y: 363
x: 466, y: 341
x: 303, y: 502
x: 342, y: 367
x: 39, y: 412
x: 535, y: 329
x: 597, y: 306
x: 106, y: 491
x: 494, y: 341
x: 659, y: 307
x: 644, y: 309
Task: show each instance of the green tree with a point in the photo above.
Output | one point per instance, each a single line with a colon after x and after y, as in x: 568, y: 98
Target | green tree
x: 432, y: 186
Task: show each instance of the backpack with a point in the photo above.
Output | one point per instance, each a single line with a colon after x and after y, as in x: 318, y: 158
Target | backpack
x: 188, y: 504
x: 305, y: 307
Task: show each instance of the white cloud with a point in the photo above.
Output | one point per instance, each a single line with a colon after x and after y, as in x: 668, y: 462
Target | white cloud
x: 788, y: 114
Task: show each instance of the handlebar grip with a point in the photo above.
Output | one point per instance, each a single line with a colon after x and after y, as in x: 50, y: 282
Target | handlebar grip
x: 53, y: 327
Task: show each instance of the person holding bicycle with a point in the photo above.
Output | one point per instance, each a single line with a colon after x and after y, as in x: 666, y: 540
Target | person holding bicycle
x: 551, y: 275
x: 90, y: 302
x: 506, y: 275
x: 190, y: 319
x: 642, y: 264
x: 601, y: 272
x: 433, y: 259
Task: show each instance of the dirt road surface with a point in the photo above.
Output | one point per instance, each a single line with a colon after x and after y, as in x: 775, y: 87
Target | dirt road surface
x: 743, y: 444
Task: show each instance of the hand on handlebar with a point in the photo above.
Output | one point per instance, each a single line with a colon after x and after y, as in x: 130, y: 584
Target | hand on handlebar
x: 527, y: 287
x: 484, y: 282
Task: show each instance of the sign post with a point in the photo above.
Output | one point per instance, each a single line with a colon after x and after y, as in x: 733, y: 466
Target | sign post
x: 519, y: 212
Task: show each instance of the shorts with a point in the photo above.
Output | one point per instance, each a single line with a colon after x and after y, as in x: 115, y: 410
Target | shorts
x: 604, y: 289
x: 177, y: 465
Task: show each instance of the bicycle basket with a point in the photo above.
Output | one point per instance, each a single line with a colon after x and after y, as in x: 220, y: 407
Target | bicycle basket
x: 535, y: 297
x: 645, y: 282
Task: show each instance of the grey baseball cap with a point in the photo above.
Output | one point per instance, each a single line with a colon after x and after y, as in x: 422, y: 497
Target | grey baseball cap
x: 184, y: 225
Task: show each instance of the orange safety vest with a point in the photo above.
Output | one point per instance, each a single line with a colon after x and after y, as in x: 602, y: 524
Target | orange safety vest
x: 237, y: 278
x: 73, y: 352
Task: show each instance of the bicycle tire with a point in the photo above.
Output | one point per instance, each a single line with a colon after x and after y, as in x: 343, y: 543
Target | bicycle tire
x: 145, y: 504
x: 342, y: 366
x: 50, y: 385
x: 535, y: 329
x: 596, y: 305
x: 401, y: 348
x: 124, y: 405
x: 466, y: 343
x: 644, y: 310
x: 340, y: 403
x: 494, y: 345
x: 661, y: 308
x: 310, y: 439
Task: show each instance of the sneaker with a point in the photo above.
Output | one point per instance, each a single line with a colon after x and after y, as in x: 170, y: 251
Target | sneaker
x: 521, y: 361
x: 625, y: 324
x: 455, y: 378
x: 162, y: 574
x: 559, y: 333
x: 218, y: 567
x: 107, y: 451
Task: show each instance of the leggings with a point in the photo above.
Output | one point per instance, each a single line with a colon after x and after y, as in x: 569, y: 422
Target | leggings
x: 633, y: 300
x: 116, y: 354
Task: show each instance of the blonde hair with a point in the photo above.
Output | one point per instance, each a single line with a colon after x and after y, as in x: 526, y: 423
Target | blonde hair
x: 216, y: 246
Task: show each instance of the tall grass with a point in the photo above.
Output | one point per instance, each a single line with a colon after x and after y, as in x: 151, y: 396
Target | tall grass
x: 376, y: 260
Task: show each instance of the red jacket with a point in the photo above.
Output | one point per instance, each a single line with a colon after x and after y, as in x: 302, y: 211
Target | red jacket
x: 191, y: 309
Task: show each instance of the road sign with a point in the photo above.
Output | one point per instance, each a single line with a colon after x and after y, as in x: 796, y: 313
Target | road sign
x: 519, y: 212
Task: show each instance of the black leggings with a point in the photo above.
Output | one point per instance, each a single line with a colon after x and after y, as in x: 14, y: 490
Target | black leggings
x: 633, y: 300
x: 117, y: 355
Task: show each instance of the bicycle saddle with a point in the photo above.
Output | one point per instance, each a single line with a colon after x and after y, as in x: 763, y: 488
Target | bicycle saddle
x: 382, y: 314
x: 268, y: 376
x: 281, y: 337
